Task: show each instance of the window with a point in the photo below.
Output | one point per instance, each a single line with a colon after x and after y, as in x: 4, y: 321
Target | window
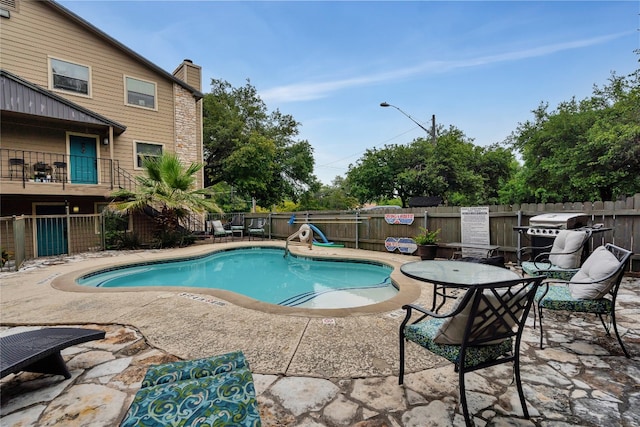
x: 69, y: 77
x: 145, y: 149
x: 140, y: 93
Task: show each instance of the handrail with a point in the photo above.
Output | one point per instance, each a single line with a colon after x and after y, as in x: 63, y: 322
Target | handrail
x: 24, y: 166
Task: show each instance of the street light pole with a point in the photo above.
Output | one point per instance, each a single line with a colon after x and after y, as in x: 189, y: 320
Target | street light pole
x: 431, y: 132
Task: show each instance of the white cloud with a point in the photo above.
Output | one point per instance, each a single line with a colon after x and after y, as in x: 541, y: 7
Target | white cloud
x: 307, y: 91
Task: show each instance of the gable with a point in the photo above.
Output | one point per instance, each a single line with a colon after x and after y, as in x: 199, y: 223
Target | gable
x: 121, y: 47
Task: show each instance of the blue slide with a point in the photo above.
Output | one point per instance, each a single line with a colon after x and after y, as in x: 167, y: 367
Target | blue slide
x: 324, y: 242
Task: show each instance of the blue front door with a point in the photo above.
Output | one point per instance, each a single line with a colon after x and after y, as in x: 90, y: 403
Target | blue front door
x: 83, y: 160
x: 51, y: 230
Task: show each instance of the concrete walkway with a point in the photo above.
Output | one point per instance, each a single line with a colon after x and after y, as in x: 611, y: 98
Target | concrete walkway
x: 310, y: 369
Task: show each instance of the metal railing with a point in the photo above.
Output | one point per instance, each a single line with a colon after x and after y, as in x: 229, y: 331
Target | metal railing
x: 39, y: 166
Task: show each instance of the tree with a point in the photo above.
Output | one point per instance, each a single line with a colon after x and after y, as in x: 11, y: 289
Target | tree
x: 252, y: 150
x: 378, y: 173
x: 587, y: 150
x: 168, y: 189
x: 328, y: 197
x: 454, y: 169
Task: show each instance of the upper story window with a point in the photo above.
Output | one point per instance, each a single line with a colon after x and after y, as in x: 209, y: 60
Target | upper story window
x: 146, y: 149
x: 70, y: 77
x: 140, y: 93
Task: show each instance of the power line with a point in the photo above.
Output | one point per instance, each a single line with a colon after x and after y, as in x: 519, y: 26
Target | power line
x: 360, y: 152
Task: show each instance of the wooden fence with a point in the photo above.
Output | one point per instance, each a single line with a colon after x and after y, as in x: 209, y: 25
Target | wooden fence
x: 358, y: 229
x: 368, y: 230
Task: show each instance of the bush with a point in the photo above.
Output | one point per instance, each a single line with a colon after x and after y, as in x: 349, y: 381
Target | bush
x: 172, y: 239
x: 121, y: 240
x: 5, y: 257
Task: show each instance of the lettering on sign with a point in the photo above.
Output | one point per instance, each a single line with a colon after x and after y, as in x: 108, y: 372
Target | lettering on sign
x: 474, y: 224
x: 404, y: 219
x: 405, y: 245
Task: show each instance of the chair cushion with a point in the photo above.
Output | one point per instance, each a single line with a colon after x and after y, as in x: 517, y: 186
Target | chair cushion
x: 452, y: 329
x: 565, y: 252
x: 423, y: 333
x: 217, y: 400
x: 192, y: 369
x: 549, y: 270
x: 600, y: 264
x: 559, y: 298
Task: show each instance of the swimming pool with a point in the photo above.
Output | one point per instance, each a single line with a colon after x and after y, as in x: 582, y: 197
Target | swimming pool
x: 263, y: 274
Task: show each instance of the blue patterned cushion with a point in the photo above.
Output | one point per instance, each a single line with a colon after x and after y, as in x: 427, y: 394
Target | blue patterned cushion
x: 190, y: 369
x: 549, y: 270
x: 226, y: 399
x: 559, y: 298
x: 423, y: 333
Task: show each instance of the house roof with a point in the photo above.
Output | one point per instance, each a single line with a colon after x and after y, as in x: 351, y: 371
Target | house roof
x: 425, y: 201
x: 23, y: 97
x: 72, y: 16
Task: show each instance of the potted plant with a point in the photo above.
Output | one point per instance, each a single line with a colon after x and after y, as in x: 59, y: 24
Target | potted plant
x: 427, y: 243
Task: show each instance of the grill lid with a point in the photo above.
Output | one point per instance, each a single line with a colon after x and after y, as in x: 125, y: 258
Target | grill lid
x: 559, y: 220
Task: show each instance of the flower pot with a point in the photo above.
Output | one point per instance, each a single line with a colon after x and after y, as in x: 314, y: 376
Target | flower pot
x: 426, y: 252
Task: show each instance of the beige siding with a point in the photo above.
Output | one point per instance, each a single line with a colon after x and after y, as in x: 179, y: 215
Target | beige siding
x: 38, y: 32
x: 31, y: 138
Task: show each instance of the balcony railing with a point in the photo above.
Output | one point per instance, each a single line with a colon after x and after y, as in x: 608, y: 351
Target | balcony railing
x: 38, y: 166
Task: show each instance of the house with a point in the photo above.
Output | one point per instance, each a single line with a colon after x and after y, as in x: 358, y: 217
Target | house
x: 78, y: 111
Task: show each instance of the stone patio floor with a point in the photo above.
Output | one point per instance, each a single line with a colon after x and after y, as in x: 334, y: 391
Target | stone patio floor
x: 309, y: 371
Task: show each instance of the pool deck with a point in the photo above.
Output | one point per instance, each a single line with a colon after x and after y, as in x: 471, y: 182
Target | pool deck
x: 326, y: 367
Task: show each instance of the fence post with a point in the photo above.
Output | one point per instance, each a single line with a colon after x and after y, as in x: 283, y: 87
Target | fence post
x: 66, y: 210
x: 519, y: 239
x: 19, y: 253
x: 357, y: 229
x: 103, y: 237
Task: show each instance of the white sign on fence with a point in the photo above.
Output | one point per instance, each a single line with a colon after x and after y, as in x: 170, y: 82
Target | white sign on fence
x: 405, y: 245
x: 474, y: 223
x: 405, y: 219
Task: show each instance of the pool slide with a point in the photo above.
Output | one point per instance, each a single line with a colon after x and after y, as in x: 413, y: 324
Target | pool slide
x: 324, y: 242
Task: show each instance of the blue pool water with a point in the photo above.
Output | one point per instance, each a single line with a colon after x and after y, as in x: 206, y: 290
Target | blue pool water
x: 263, y: 274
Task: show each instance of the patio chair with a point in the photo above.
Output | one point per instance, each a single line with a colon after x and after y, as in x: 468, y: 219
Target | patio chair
x: 60, y: 171
x: 593, y: 289
x: 18, y: 167
x: 216, y: 229
x: 484, y: 328
x: 256, y: 227
x: 39, y: 350
x: 237, y: 225
x: 212, y: 391
x: 563, y: 259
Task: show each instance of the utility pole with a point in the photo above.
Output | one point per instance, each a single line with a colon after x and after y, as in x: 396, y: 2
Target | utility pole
x: 433, y: 129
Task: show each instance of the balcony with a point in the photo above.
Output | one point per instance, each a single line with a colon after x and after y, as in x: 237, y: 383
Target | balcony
x: 37, y: 172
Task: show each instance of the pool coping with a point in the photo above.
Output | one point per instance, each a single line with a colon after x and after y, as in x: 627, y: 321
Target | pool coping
x: 408, y: 289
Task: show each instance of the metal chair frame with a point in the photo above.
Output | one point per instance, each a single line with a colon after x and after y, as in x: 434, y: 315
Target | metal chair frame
x: 500, y: 317
x: 623, y: 256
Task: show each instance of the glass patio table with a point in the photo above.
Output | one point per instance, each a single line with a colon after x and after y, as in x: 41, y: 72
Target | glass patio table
x: 455, y: 274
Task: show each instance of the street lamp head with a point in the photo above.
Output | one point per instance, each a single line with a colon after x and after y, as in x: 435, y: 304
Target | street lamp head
x: 431, y: 132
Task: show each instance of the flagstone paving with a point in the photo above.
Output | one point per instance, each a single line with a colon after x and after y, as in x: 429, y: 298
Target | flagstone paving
x: 580, y: 378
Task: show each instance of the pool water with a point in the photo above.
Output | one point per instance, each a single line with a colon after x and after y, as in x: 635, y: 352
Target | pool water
x: 265, y: 275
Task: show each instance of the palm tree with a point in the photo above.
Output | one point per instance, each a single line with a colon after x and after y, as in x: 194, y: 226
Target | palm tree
x: 168, y: 189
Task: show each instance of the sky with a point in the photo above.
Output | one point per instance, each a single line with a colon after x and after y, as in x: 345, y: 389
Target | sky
x: 480, y: 66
